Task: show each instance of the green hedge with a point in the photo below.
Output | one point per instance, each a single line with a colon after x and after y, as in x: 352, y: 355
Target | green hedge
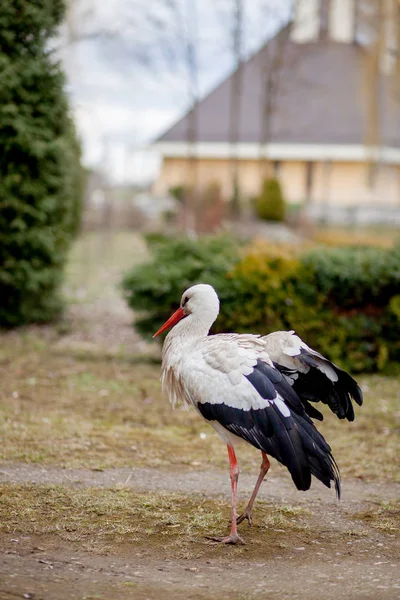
x: 345, y: 302
x: 40, y: 173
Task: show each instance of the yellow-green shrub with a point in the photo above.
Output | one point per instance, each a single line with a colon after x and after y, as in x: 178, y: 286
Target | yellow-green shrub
x: 341, y: 301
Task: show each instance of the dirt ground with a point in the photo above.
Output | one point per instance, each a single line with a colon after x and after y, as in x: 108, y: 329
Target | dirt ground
x: 334, y: 550
x: 105, y: 493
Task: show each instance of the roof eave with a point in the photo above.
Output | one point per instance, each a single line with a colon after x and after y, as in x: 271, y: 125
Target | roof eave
x: 281, y: 151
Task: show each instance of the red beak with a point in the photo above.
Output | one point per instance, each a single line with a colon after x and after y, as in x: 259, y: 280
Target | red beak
x: 173, y: 320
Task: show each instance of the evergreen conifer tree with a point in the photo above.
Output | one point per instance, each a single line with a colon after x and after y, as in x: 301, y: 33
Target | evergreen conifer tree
x: 40, y: 173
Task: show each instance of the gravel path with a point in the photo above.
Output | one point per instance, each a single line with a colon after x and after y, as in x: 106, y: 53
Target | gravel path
x: 276, y: 488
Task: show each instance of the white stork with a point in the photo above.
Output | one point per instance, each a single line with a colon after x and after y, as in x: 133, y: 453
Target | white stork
x: 257, y: 388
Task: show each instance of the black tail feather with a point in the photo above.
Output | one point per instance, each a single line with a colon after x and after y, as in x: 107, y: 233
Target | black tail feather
x: 321, y: 462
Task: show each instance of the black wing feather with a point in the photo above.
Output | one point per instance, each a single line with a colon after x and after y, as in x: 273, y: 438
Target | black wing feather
x: 292, y: 439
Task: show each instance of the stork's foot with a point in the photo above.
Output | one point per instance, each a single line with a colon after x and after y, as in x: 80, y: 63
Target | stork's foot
x: 245, y: 515
x: 229, y: 539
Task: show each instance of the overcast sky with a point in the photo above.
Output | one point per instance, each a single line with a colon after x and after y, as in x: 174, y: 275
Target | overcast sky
x: 127, y: 73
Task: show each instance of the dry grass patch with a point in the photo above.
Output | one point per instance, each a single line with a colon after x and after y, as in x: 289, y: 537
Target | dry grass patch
x: 284, y: 517
x: 98, y: 412
x: 385, y: 516
x: 106, y: 519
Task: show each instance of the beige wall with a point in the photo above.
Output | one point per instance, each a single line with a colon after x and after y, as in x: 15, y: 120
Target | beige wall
x: 342, y: 183
x: 349, y: 184
x: 175, y: 172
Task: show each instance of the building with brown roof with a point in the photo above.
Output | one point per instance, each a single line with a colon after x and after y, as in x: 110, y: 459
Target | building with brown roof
x: 312, y: 108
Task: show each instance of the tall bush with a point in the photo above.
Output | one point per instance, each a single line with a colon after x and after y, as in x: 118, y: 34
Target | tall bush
x: 40, y: 174
x: 270, y: 204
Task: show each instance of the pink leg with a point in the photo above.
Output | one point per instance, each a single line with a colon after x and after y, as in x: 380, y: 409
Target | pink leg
x: 265, y: 465
x: 233, y: 538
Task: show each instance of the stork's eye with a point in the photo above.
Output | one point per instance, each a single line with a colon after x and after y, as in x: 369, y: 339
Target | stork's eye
x: 185, y: 300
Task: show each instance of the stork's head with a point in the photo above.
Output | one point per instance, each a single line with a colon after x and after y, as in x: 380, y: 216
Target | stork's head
x: 200, y: 302
x: 199, y: 299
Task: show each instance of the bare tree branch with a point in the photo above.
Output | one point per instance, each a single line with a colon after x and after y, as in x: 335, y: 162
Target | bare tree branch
x: 235, y: 103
